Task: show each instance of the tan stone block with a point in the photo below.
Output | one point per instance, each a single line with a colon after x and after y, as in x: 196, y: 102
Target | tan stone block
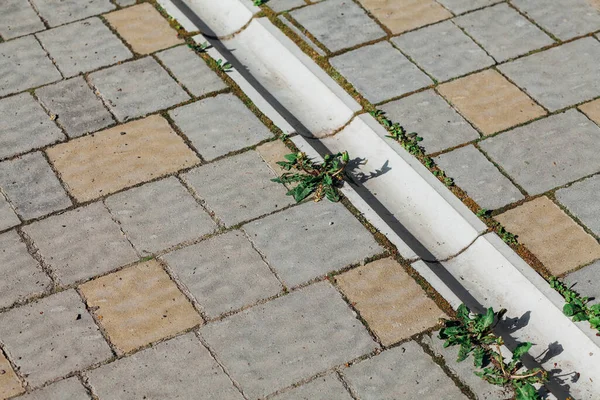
x: 490, y: 101
x: 272, y: 152
x: 139, y: 305
x: 143, y: 28
x: 404, y: 15
x: 592, y: 110
x: 9, y: 382
x: 557, y: 241
x: 120, y: 157
x: 392, y: 303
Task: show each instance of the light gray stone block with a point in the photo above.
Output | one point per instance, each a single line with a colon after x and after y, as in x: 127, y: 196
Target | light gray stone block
x: 52, y: 337
x: 548, y: 153
x: 586, y: 281
x: 331, y: 240
x: 443, y: 51
x: 58, y: 12
x: 301, y: 34
x: 461, y: 6
x: 137, y: 88
x: 18, y: 18
x: 284, y: 5
x: 68, y: 389
x: 328, y: 387
x: 124, y: 3
x: 8, y: 218
x: 582, y: 200
x: 271, y: 346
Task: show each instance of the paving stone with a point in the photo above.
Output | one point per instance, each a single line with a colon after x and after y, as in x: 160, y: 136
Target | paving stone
x: 31, y: 186
x: 503, y: 32
x: 120, y: 157
x: 581, y: 199
x: 548, y: 153
x: 223, y: 273
x: 219, y: 125
x: 238, y: 196
x: 9, y: 382
x: 386, y: 376
x: 426, y: 113
x: 561, y: 76
x: 443, y: 51
x: 139, y: 305
x: 592, y: 110
x: 490, y: 101
x: 272, y: 152
x: 124, y: 3
x: 338, y: 24
x: 302, y: 36
x: 332, y: 239
x: 78, y: 110
x: 393, y: 304
x: 52, y: 337
x: 461, y: 6
x: 482, y: 181
x: 283, y: 5
x: 368, y: 70
x: 8, y: 218
x: 59, y: 12
x: 586, y: 281
x: 180, y: 368
x: 254, y: 345
x: 143, y: 28
x: 405, y: 15
x: 557, y: 241
x: 18, y: 18
x: 81, y: 243
x: 83, y: 46
x: 324, y: 388
x: 68, y: 389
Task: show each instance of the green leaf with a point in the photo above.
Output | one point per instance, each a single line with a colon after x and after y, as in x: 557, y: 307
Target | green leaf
x: 291, y: 157
x: 462, y: 312
x: 478, y: 357
x: 328, y: 180
x: 520, y: 350
x: 569, y: 309
x: 525, y: 391
x: 463, y: 352
x: 487, y: 320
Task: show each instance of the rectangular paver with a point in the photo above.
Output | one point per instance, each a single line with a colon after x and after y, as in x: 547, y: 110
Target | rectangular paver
x: 18, y: 18
x: 10, y: 385
x: 404, y: 15
x: 585, y: 281
x: 283, y: 5
x: 8, y: 217
x: 581, y: 199
x: 328, y: 387
x: 58, y: 12
x: 68, y: 389
x: 461, y: 6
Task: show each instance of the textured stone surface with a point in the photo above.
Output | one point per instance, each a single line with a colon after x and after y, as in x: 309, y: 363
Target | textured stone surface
x: 124, y: 3
x: 180, y: 368
x: 68, y: 389
x: 139, y: 305
x: 272, y: 152
x: 586, y: 281
x: 58, y: 12
x: 283, y: 5
x: 254, y: 345
x: 18, y: 18
x: 8, y: 218
x: 581, y: 199
x: 223, y: 273
x: 443, y: 51
x: 548, y: 153
x: 302, y: 35
x: 559, y: 243
x: 159, y: 215
x: 324, y: 388
x: 81, y: 243
x: 592, y: 110
x: 120, y: 157
x: 219, y: 125
x: 461, y: 6
x: 405, y: 15
x: 368, y: 70
x: 9, y: 382
x: 332, y: 239
x: 392, y: 303
x: 52, y: 337
x: 490, y: 101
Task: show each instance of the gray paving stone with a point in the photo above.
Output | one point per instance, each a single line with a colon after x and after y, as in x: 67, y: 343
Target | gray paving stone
x: 338, y: 24
x: 124, y: 3
x: 52, y: 337
x: 137, y: 88
x: 284, y: 5
x: 401, y: 373
x: 180, y: 368
x: 24, y: 65
x: 8, y: 218
x: 443, y: 51
x: 581, y: 199
x: 325, y: 388
x: 380, y: 72
x: 223, y: 273
x: 331, y: 240
x: 68, y: 389
x: 31, y: 186
x: 561, y: 76
x: 271, y: 346
x: 301, y: 34
x: 18, y: 18
x: 219, y: 125
x: 428, y: 114
x: 83, y: 46
x: 461, y: 6
x: 548, y: 153
x: 58, y: 12
x: 81, y: 243
x: 586, y: 281
x: 159, y: 215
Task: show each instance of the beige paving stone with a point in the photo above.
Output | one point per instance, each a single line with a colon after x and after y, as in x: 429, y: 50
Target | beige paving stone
x: 120, y: 157
x: 143, y: 28
x: 139, y: 305
x: 392, y: 303
x: 272, y: 152
x: 490, y: 101
x: 558, y: 242
x: 9, y: 383
x: 592, y: 110
x: 403, y: 15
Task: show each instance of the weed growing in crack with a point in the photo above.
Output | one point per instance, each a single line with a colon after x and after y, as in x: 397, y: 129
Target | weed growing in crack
x: 576, y: 306
x: 223, y: 65
x: 199, y: 47
x: 506, y: 236
x: 410, y: 141
x: 259, y: 2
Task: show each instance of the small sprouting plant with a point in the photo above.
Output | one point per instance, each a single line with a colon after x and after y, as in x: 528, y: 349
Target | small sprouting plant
x: 484, y: 212
x: 199, y: 47
x: 259, y: 2
x: 223, y: 65
x: 509, y: 238
x: 577, y: 307
x: 410, y: 141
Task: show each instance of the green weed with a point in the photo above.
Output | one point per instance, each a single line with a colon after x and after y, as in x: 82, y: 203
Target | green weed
x: 199, y: 47
x: 223, y: 65
x: 259, y: 2
x: 576, y: 305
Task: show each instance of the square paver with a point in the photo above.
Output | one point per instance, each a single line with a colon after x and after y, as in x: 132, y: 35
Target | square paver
x: 180, y: 368
x: 159, y: 215
x: 586, y: 281
x: 59, y: 12
x: 137, y: 88
x: 338, y: 24
x: 81, y: 243
x: 8, y: 217
x: 18, y: 18
x: 405, y: 15
x: 592, y: 110
x: 443, y: 51
x: 223, y: 273
x: 561, y: 76
x: 68, y: 389
x: 380, y: 72
x: 283, y: 5
x: 219, y: 125
x: 120, y: 157
x: 557, y: 241
x: 139, y: 305
x: 323, y: 388
x: 238, y: 188
x: 332, y: 239
x: 490, y: 101
x: 10, y: 385
x: 254, y: 345
x: 581, y: 199
x: 548, y: 153
x: 393, y: 304
x: 143, y: 28
x: 52, y: 337
x: 461, y: 6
